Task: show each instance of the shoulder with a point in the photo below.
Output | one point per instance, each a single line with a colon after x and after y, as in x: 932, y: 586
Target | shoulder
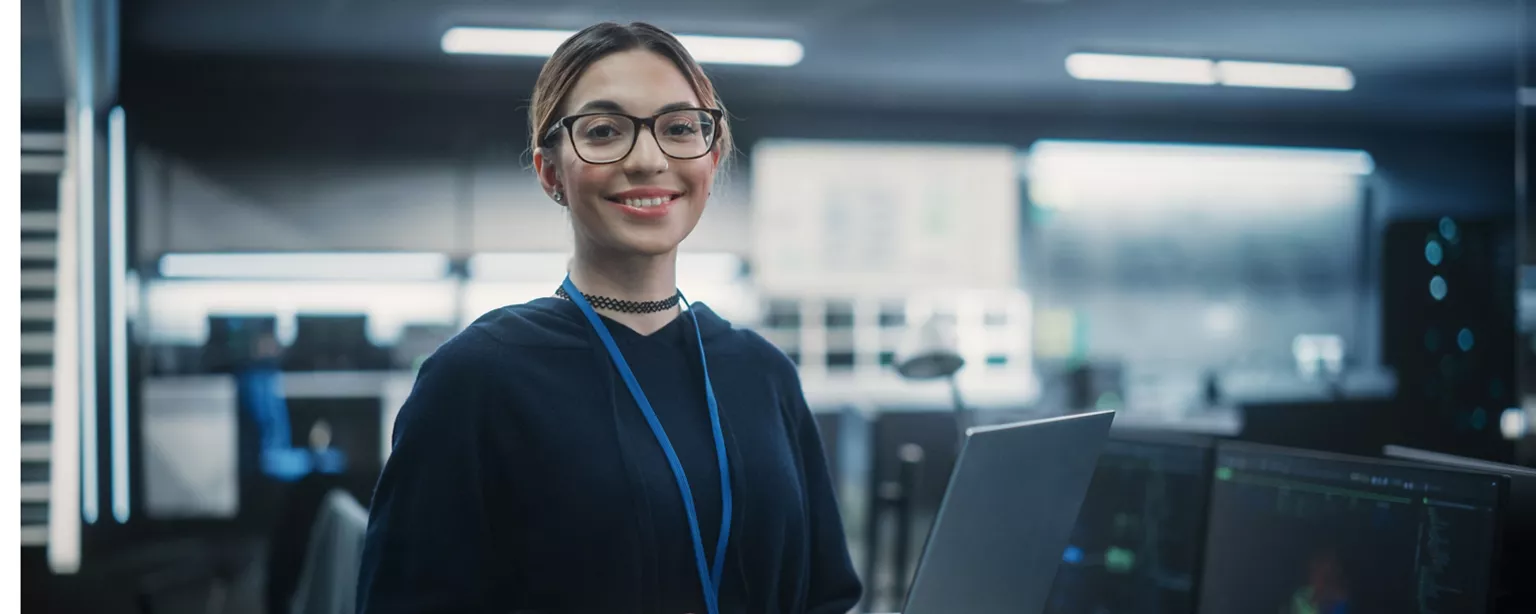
x: 468, y: 372
x: 769, y: 357
x: 456, y: 380
x: 746, y: 344
x: 540, y: 323
x: 474, y: 362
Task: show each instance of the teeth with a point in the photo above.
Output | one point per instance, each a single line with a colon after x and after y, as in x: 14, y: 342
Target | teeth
x: 644, y: 202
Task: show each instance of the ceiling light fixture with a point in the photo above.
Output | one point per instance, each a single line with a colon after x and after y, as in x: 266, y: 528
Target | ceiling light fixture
x: 1144, y: 69
x: 1285, y: 76
x: 335, y: 266
x: 542, y: 43
x: 1201, y: 71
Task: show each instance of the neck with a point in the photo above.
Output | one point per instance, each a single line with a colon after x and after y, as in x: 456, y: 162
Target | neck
x: 628, y: 277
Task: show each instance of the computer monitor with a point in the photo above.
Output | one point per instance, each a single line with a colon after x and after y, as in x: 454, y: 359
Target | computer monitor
x: 1293, y: 531
x: 237, y: 341
x: 1137, y: 544
x: 333, y: 342
x: 1518, y: 553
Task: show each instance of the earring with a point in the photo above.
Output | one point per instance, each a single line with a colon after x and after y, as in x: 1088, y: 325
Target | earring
x: 558, y: 196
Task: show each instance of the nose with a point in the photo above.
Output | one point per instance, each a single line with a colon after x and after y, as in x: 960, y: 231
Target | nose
x: 646, y: 157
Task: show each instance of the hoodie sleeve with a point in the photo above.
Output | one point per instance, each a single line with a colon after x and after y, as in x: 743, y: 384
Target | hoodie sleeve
x: 428, y: 527
x: 833, y: 586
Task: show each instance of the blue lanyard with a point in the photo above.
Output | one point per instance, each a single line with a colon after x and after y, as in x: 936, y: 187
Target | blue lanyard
x: 710, y: 579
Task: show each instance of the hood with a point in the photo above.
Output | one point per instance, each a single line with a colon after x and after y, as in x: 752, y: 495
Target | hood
x: 558, y: 323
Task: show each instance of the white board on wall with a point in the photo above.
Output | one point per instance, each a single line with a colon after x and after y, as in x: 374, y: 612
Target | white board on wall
x: 857, y: 218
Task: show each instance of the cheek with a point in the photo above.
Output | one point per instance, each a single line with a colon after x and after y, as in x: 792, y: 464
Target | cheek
x: 589, y: 181
x: 699, y: 175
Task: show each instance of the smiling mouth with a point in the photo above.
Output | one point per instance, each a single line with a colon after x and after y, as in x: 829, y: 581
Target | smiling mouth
x: 645, y: 203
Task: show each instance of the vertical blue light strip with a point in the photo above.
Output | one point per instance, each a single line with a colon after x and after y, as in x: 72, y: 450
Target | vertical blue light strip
x: 117, y: 271
x: 85, y: 149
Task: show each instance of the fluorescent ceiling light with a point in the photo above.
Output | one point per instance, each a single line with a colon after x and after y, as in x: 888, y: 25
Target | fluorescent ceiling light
x: 299, y: 266
x: 1200, y: 71
x: 1287, y: 76
x: 542, y: 43
x: 1145, y: 69
x: 1078, y: 157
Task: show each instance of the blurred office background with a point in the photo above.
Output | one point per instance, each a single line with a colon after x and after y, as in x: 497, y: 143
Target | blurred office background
x: 244, y: 224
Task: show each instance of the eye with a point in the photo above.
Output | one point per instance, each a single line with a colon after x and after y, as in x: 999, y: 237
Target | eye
x: 682, y: 127
x: 601, y: 128
x: 600, y: 132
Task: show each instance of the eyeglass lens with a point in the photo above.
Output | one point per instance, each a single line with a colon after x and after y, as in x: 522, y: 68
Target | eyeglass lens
x: 608, y: 138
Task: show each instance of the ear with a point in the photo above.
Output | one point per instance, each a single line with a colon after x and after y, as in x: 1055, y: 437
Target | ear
x: 546, y: 165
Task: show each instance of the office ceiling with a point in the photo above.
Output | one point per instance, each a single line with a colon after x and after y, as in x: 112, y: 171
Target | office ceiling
x: 1416, y: 60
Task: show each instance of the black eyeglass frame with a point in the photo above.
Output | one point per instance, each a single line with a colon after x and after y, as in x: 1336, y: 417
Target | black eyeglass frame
x: 648, y: 123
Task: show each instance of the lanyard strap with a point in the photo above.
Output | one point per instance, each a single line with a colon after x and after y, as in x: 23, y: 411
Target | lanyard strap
x: 709, y: 578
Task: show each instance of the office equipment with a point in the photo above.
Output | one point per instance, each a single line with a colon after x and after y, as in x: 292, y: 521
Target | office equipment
x: 1517, y: 561
x: 334, y: 343
x: 1139, y: 536
x: 236, y: 341
x: 1448, y: 329
x: 1294, y: 531
x: 1006, y: 516
x: 1343, y: 426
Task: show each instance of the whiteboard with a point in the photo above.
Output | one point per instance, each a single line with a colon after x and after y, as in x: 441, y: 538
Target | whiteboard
x: 860, y: 219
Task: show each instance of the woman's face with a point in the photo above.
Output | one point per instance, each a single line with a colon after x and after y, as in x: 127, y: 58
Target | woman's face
x: 639, y: 83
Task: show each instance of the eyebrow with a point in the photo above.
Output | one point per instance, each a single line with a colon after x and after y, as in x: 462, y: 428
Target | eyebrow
x: 614, y: 107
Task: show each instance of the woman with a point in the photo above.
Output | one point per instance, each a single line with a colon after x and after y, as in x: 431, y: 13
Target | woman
x: 603, y: 450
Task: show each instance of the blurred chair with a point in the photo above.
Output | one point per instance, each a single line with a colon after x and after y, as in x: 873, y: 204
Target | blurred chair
x: 289, y: 543
x: 328, y: 584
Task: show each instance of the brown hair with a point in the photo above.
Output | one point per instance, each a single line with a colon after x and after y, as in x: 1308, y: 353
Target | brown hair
x: 596, y: 42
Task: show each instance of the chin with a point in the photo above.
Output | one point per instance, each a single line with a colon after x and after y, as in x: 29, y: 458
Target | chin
x: 649, y: 246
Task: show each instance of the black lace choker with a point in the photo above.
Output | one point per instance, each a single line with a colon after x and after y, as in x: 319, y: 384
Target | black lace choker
x: 622, y: 306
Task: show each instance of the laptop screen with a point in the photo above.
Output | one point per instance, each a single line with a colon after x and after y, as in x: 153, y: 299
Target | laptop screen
x: 1137, y: 543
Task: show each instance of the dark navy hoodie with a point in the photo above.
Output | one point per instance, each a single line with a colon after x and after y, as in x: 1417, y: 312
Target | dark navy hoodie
x: 525, y: 478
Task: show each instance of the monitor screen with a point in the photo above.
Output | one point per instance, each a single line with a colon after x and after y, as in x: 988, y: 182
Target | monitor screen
x: 1296, y: 532
x: 1518, y: 552
x: 237, y: 341
x: 1136, y: 546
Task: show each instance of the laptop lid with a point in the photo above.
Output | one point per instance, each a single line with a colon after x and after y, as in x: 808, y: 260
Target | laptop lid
x: 1007, y: 515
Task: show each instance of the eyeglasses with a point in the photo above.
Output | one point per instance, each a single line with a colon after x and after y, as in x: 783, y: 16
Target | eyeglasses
x: 605, y: 138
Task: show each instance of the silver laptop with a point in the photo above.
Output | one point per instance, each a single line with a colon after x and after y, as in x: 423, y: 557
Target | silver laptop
x: 1007, y: 516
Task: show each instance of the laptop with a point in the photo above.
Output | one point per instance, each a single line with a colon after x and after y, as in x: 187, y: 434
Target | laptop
x: 1007, y: 516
